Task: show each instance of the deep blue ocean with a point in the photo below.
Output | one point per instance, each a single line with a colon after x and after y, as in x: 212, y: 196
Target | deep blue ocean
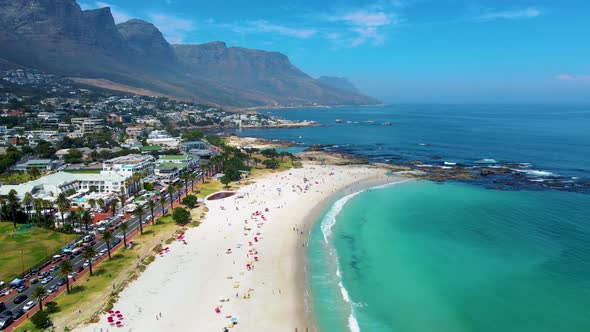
x: 492, y: 254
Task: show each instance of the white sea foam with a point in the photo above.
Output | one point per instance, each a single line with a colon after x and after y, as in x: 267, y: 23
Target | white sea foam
x: 449, y: 163
x: 487, y: 161
x: 327, y: 224
x: 534, y: 172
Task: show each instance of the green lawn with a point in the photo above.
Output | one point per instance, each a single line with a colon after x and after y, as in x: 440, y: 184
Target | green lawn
x: 36, y: 245
x: 84, y: 171
x: 15, y: 177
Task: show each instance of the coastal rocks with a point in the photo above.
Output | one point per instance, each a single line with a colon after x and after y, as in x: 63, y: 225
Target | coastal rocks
x: 495, y: 171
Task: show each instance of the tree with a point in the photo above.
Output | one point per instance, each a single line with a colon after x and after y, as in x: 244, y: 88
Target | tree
x: 225, y: 180
x: 124, y: 226
x: 256, y: 161
x: 92, y: 203
x: 178, y: 189
x: 151, y: 204
x: 27, y: 200
x: 162, y: 203
x: 34, y: 172
x: 181, y: 215
x: 171, y: 190
x: 39, y: 319
x: 107, y: 236
x: 190, y: 201
x: 13, y: 204
x: 89, y: 254
x: 65, y: 269
x: 86, y: 219
x: 38, y: 206
x: 193, y: 135
x: 271, y: 163
x: 113, y: 206
x: 138, y: 212
x: 185, y: 178
x: 39, y: 294
x: 100, y: 203
x: 62, y: 205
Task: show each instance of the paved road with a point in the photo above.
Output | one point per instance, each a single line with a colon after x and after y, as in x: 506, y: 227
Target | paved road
x: 79, y: 259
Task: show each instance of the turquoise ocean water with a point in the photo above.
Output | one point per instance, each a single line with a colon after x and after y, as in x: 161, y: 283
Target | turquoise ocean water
x: 422, y: 256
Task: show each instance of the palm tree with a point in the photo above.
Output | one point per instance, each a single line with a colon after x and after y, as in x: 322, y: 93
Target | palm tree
x: 162, y: 203
x: 46, y: 206
x: 38, y: 206
x: 13, y: 204
x: 124, y: 226
x: 151, y: 204
x: 184, y: 176
x: 27, y: 200
x: 256, y: 161
x: 65, y: 269
x: 113, y: 206
x: 80, y: 212
x: 192, y: 177
x: 86, y: 219
x: 62, y: 205
x: 107, y: 236
x: 2, y: 204
x: 138, y: 212
x: 100, y: 203
x: 178, y: 189
x: 34, y: 172
x: 89, y: 254
x: 171, y: 190
x: 39, y: 294
x: 92, y: 203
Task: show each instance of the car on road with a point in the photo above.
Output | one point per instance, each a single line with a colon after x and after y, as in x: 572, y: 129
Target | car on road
x: 44, y: 274
x: 20, y: 299
x: 34, y: 281
x: 86, y: 263
x: 2, y: 306
x: 52, y: 288
x: 22, y: 288
x: 80, y: 269
x: 5, y: 322
x: 61, y: 282
x: 54, y: 268
x: 17, y: 313
x: 29, y: 305
x: 47, y: 280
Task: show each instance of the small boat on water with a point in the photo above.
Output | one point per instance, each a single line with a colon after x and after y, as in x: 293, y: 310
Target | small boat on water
x: 386, y: 123
x: 340, y: 121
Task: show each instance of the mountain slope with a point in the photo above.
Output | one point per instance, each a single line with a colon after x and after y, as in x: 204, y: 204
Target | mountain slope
x: 58, y: 37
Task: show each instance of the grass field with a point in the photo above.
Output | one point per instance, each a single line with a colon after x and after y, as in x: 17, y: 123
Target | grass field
x: 15, y: 178
x: 36, y: 245
x: 90, y: 291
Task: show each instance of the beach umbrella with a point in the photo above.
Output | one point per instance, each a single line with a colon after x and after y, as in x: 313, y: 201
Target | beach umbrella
x: 233, y: 320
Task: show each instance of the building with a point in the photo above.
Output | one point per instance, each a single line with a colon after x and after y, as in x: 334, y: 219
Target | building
x: 41, y: 164
x: 50, y: 186
x: 161, y: 138
x: 130, y: 164
x: 169, y: 167
x: 135, y: 131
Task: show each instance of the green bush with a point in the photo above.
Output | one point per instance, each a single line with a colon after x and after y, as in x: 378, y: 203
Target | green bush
x: 39, y: 319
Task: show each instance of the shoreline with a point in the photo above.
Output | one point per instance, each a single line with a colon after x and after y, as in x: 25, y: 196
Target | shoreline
x: 277, y: 289
x: 323, y: 206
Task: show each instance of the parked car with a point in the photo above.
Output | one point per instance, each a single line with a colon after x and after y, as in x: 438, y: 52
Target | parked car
x: 54, y: 268
x: 29, y: 305
x: 52, y: 289
x: 44, y: 274
x: 61, y: 282
x: 2, y: 306
x: 86, y: 263
x: 17, y: 313
x: 22, y: 288
x: 34, y: 281
x: 20, y: 299
x: 5, y: 322
x: 80, y: 269
x: 47, y: 280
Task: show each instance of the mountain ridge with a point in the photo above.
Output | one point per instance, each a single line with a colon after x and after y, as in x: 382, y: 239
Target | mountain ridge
x: 57, y: 36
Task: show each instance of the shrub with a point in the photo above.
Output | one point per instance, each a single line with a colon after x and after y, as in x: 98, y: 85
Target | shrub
x: 39, y: 319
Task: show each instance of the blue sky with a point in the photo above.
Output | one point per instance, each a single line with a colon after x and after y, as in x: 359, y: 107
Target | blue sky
x: 401, y: 50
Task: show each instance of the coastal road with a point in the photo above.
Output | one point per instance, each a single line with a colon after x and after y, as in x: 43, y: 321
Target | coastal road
x: 78, y: 260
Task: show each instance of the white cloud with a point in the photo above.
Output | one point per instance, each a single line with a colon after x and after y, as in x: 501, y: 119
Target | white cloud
x: 366, y: 24
x: 262, y: 26
x: 173, y: 28
x: 569, y: 77
x: 530, y: 12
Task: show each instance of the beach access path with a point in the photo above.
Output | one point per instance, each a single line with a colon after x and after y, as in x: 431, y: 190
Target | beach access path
x: 244, y: 262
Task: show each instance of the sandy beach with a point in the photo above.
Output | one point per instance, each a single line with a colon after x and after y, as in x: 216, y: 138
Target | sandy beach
x: 246, y: 260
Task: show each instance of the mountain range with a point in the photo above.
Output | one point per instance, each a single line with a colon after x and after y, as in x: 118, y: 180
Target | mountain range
x: 57, y: 36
